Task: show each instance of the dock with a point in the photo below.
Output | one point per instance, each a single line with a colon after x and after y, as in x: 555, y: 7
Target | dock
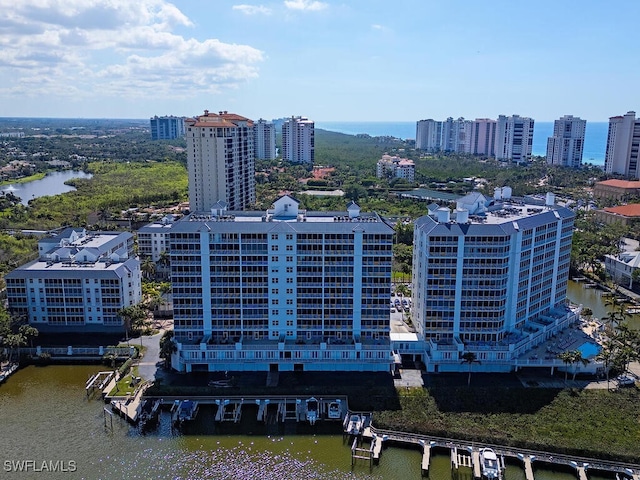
x: 129, y: 407
x: 99, y: 381
x: 467, y: 454
x: 475, y: 461
x: 528, y: 468
x: 8, y: 371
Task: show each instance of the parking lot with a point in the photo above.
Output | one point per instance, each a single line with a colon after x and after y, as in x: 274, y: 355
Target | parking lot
x: 400, y: 308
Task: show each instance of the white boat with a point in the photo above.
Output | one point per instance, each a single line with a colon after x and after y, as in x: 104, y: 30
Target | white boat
x: 334, y: 409
x: 312, y: 410
x: 489, y: 466
x: 184, y: 411
x: 355, y: 425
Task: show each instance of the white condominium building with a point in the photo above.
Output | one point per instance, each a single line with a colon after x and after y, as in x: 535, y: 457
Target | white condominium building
x: 490, y: 278
x: 79, y: 283
x: 428, y: 135
x: 514, y: 138
x: 567, y: 143
x: 298, y: 140
x: 220, y: 160
x: 282, y: 289
x: 265, y: 140
x: 395, y: 167
x: 623, y: 144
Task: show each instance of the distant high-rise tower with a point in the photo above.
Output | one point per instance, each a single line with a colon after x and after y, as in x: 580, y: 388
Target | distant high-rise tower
x: 428, y: 134
x: 220, y: 161
x: 567, y: 143
x: 265, y: 140
x: 298, y: 140
x: 623, y: 141
x: 483, y: 137
x: 166, y: 128
x: 514, y: 138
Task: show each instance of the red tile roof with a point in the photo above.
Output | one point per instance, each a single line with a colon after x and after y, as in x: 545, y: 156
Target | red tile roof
x: 631, y: 210
x: 620, y: 183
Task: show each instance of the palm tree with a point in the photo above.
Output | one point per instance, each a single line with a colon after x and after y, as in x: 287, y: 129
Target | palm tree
x: 469, y: 358
x: 578, y: 358
x: 606, y: 356
x: 148, y: 268
x: 29, y: 333
x: 567, y: 358
x: 13, y: 341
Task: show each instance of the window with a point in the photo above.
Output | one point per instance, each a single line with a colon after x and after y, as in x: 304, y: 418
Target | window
x: 289, y: 248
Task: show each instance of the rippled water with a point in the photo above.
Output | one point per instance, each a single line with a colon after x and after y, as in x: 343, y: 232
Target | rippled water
x: 45, y: 416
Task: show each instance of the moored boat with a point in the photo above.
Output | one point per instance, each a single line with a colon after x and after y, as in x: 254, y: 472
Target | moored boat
x: 312, y: 410
x: 489, y: 465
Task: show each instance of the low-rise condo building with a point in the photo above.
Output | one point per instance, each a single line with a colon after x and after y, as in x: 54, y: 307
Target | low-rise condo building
x: 79, y: 283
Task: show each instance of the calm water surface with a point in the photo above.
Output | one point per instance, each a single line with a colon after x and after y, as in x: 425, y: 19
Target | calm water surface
x: 52, y: 184
x: 45, y: 416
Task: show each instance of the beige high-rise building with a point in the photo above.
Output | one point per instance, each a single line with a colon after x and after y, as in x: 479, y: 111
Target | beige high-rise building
x: 623, y: 141
x: 220, y: 161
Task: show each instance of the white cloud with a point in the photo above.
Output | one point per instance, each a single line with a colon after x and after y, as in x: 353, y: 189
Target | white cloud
x: 311, y: 5
x: 119, y: 47
x: 382, y: 28
x: 252, y: 9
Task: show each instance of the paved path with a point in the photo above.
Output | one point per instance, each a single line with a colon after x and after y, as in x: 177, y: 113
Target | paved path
x: 148, y: 364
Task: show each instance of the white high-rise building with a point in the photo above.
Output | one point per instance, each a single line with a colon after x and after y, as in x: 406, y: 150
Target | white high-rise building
x: 567, y: 143
x: 623, y: 141
x: 428, y: 135
x: 264, y: 140
x: 514, y: 138
x: 220, y: 161
x: 282, y: 289
x: 298, y: 140
x: 490, y: 278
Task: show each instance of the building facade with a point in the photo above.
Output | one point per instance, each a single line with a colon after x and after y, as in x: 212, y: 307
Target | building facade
x: 265, y: 140
x: 623, y: 144
x: 167, y: 128
x: 79, y: 283
x: 616, y: 189
x: 298, y: 140
x: 491, y: 279
x: 428, y: 135
x: 483, y: 137
x: 514, y: 138
x: 395, y: 167
x: 153, y: 239
x: 281, y: 290
x: 566, y: 145
x: 220, y: 161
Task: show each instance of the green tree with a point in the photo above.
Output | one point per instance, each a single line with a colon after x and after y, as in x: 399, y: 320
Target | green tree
x: 167, y: 347
x: 29, y: 333
x: 567, y: 358
x: 469, y: 358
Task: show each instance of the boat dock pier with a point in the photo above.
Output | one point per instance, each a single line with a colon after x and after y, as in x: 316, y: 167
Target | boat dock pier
x: 467, y: 454
x: 7, y: 371
x: 287, y: 407
x: 129, y: 406
x: 99, y: 381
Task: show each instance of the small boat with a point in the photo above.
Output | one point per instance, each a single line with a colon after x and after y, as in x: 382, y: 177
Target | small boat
x: 312, y: 410
x: 355, y: 425
x: 489, y: 466
x: 334, y: 409
x: 149, y: 413
x: 184, y: 411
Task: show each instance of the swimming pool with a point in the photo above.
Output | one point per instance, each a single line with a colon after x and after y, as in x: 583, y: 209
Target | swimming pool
x: 589, y: 349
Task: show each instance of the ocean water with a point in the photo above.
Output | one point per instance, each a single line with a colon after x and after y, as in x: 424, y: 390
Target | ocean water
x: 595, y: 141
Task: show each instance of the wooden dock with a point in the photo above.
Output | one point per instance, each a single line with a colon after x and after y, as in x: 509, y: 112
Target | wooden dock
x: 426, y: 459
x: 528, y: 468
x: 129, y: 406
x: 99, y: 381
x: 582, y: 473
x: 475, y: 461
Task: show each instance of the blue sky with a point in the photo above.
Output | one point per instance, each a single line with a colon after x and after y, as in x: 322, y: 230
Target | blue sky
x: 359, y: 60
